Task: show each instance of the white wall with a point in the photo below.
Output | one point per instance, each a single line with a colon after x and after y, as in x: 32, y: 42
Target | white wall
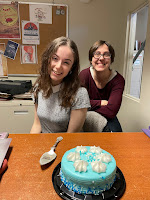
x: 107, y: 19
x: 99, y: 19
x: 136, y: 115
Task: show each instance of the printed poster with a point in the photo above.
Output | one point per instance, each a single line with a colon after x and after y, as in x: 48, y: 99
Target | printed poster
x: 41, y: 13
x: 3, y: 62
x: 30, y: 32
x: 11, y: 49
x: 9, y: 21
x: 28, y: 54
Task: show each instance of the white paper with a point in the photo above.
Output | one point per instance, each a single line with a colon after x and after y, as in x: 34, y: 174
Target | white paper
x: 30, y: 32
x: 4, y: 145
x: 28, y: 54
x: 1, y: 67
x: 41, y: 13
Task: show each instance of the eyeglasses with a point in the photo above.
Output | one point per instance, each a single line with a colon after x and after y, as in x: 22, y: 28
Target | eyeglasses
x: 105, y: 55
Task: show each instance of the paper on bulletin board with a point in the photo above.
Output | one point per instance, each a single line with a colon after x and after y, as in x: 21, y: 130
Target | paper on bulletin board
x: 30, y: 32
x: 9, y: 21
x: 3, y: 62
x: 41, y: 13
x: 28, y: 54
x: 11, y: 49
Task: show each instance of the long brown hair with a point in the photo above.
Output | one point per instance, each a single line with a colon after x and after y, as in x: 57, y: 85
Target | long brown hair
x: 70, y: 82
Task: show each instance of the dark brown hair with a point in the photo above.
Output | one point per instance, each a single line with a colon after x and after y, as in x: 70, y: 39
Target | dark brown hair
x: 99, y: 43
x: 70, y: 82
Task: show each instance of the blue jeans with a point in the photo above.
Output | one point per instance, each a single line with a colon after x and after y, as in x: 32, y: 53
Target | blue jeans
x: 114, y: 125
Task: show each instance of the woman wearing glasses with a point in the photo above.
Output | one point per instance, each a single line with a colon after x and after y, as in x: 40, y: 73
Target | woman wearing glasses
x: 105, y: 86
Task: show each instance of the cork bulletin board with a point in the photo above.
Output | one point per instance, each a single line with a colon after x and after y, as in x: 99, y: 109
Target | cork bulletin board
x: 47, y: 32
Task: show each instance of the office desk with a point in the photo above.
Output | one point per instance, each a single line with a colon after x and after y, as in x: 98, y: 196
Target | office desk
x: 26, y: 180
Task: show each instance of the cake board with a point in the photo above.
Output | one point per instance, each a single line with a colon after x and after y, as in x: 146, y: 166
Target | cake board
x: 114, y: 193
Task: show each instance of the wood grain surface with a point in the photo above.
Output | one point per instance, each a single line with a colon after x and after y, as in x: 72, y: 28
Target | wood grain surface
x: 25, y: 179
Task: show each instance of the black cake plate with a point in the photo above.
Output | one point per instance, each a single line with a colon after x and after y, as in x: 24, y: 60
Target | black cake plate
x: 114, y: 193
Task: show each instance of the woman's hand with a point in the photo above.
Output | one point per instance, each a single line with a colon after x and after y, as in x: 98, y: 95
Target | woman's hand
x: 77, y: 118
x: 104, y: 102
x: 4, y: 166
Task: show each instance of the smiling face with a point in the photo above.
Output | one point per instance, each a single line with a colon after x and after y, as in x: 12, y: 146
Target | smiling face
x: 60, y: 64
x: 101, y: 64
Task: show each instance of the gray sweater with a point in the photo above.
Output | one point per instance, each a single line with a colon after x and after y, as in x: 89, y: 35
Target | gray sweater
x: 52, y: 116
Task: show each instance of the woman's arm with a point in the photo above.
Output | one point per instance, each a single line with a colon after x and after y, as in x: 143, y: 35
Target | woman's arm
x: 77, y: 119
x: 36, y: 127
x: 109, y: 108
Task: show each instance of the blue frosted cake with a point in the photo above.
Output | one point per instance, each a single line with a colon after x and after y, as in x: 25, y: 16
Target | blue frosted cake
x: 88, y: 170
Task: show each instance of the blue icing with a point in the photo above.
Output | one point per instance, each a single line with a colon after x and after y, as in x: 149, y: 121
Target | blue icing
x: 78, y: 179
x: 79, y: 190
x: 71, y: 169
x: 89, y: 191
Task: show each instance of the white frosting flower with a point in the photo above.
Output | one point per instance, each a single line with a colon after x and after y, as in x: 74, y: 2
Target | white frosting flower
x: 96, y: 150
x: 80, y: 165
x: 99, y: 156
x: 81, y: 149
x: 106, y: 158
x: 98, y: 166
x: 72, y: 156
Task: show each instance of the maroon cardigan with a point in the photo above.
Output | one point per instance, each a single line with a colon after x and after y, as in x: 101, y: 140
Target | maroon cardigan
x: 112, y: 92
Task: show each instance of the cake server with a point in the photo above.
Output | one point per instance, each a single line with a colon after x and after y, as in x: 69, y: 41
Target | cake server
x: 50, y: 155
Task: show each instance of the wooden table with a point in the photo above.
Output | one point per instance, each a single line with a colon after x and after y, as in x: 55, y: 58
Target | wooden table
x: 25, y: 179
